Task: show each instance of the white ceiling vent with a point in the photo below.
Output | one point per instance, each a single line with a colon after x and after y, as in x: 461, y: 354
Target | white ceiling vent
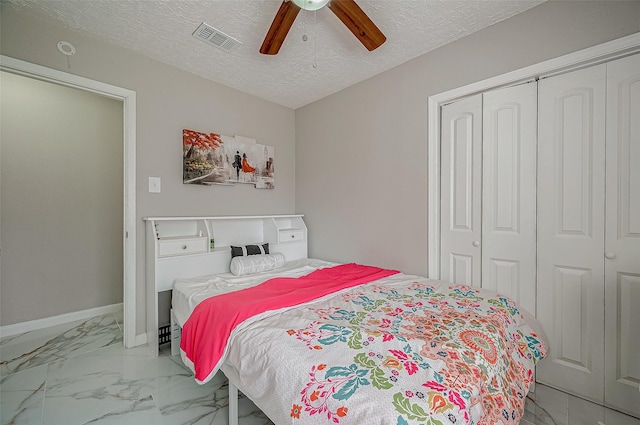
x: 215, y: 37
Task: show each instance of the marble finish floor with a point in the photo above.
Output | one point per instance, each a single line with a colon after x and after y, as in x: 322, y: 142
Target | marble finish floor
x: 79, y: 373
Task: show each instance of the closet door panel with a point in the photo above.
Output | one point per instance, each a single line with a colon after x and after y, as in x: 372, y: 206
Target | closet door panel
x: 571, y: 175
x: 622, y: 247
x: 509, y: 121
x: 461, y: 196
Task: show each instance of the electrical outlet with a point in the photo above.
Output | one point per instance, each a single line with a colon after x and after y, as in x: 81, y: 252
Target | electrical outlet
x: 154, y: 184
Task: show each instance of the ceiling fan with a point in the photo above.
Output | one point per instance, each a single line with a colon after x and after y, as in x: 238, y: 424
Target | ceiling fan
x: 346, y: 10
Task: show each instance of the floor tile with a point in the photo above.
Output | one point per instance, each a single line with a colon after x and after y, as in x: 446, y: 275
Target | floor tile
x: 89, y: 386
x: 548, y: 405
x: 22, y: 396
x: 535, y: 414
x: 21, y: 407
x: 79, y: 373
x: 612, y: 417
x: 142, y: 412
x: 186, y: 402
x: 46, y: 346
x: 250, y: 414
x: 26, y: 380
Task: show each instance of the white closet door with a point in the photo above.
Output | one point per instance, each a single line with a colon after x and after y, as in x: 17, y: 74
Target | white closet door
x: 461, y: 176
x: 622, y: 264
x: 571, y: 175
x: 509, y: 129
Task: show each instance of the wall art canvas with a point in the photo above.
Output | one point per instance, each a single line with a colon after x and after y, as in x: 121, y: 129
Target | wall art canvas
x: 211, y: 158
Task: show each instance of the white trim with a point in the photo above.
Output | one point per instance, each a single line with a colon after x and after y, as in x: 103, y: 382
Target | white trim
x: 593, y: 55
x: 130, y: 235
x: 128, y: 98
x: 34, y: 325
x: 17, y: 66
x: 433, y: 196
x: 140, y: 339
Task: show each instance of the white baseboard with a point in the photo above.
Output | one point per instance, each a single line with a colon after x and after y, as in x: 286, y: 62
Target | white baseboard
x: 33, y: 325
x: 140, y: 340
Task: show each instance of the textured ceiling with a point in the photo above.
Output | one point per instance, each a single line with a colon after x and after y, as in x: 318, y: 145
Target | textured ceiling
x: 303, y: 71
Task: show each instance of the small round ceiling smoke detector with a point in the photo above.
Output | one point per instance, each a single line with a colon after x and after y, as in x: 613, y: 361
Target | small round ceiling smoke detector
x: 66, y: 48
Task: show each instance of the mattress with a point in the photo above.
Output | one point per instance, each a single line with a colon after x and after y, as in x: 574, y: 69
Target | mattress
x: 188, y: 293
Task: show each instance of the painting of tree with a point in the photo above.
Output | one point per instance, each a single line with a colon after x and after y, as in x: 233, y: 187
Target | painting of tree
x: 197, y: 147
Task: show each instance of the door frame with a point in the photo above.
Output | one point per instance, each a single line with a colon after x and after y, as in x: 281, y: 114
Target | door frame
x: 128, y: 98
x: 604, y: 52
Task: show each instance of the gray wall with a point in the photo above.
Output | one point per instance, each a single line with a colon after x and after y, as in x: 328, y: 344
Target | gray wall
x: 61, y: 197
x: 168, y: 100
x: 361, y: 154
x: 354, y: 163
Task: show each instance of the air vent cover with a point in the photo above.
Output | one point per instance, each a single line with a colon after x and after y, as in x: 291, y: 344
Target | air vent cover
x: 216, y: 38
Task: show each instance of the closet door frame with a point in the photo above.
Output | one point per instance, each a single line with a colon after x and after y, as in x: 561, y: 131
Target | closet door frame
x: 611, y: 50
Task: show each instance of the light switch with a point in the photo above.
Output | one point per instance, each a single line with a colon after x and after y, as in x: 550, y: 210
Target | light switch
x: 154, y: 184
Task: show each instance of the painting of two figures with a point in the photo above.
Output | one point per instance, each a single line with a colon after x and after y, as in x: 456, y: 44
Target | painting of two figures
x: 211, y: 158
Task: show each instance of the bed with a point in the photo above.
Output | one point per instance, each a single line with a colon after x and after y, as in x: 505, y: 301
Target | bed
x: 390, y: 348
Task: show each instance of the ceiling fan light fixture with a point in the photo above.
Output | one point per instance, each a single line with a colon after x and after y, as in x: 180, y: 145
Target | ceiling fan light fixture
x: 348, y: 11
x: 310, y: 4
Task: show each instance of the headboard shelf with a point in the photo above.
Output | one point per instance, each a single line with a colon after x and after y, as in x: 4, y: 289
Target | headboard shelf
x: 187, y: 247
x: 222, y: 217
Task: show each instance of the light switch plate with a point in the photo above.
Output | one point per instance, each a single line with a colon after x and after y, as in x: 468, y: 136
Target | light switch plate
x: 154, y: 184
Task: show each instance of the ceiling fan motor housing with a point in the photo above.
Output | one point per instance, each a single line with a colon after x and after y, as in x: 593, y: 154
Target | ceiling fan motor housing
x: 311, y: 4
x: 351, y: 15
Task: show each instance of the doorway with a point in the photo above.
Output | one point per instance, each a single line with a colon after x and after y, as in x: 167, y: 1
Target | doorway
x: 127, y: 97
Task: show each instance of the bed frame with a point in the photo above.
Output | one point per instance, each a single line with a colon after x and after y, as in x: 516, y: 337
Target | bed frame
x: 188, y: 247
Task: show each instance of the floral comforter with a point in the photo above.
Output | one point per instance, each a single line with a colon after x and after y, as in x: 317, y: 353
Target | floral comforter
x: 400, y: 350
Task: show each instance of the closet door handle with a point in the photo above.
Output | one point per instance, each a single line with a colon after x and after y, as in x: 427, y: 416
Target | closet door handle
x: 610, y: 255
x: 475, y: 243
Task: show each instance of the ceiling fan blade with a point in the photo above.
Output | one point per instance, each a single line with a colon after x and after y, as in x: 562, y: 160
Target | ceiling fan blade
x: 358, y: 22
x: 279, y: 28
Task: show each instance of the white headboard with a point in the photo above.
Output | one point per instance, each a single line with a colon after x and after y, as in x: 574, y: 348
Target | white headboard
x: 186, y: 247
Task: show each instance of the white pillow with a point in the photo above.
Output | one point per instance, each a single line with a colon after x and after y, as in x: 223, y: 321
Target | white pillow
x: 249, y: 264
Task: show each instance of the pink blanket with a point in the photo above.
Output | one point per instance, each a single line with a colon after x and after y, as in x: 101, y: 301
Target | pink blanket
x: 206, y: 333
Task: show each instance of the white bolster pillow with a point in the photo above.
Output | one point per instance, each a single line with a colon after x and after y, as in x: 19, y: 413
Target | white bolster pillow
x: 250, y: 264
